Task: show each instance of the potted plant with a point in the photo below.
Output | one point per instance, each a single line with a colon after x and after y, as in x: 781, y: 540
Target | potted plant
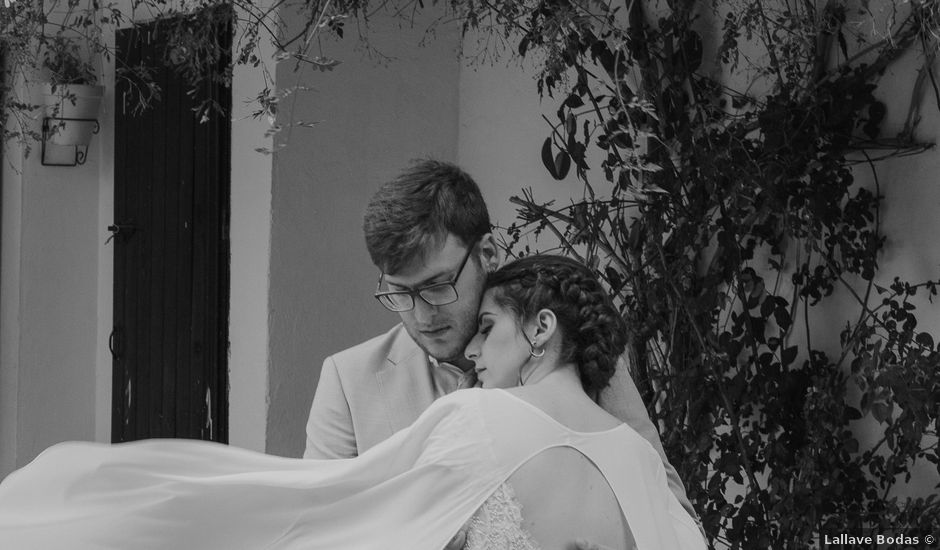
x: 71, y: 97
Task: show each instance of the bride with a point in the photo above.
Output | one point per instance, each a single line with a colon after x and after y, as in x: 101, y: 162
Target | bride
x: 532, y: 463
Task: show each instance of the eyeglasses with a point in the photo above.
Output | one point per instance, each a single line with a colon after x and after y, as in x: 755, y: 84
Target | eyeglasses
x: 435, y: 294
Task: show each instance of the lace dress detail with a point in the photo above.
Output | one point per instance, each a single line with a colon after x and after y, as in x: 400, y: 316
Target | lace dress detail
x: 497, y: 524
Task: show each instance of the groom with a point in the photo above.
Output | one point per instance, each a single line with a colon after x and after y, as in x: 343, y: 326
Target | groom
x: 428, y: 233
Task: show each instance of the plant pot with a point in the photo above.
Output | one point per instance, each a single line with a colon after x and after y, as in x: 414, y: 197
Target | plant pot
x: 72, y: 101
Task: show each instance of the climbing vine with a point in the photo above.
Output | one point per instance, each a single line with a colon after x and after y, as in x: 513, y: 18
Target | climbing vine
x: 722, y: 218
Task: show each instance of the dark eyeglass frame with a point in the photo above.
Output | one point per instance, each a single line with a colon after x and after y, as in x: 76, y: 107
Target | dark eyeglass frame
x: 411, y: 293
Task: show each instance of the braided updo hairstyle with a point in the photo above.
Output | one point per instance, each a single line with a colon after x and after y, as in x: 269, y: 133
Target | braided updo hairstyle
x: 593, y: 331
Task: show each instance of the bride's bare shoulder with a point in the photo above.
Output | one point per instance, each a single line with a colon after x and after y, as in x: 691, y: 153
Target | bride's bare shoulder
x: 572, y: 409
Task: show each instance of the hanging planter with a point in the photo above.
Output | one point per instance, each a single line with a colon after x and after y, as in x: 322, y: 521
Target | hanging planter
x: 71, y: 101
x: 71, y: 111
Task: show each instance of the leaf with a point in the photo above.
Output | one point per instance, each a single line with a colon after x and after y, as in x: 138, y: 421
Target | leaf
x: 758, y: 327
x: 925, y: 340
x: 767, y: 307
x: 880, y: 411
x: 626, y: 93
x: 547, y: 158
x: 574, y: 101
x: 562, y: 165
x: 876, y: 112
x: 782, y: 316
x: 788, y: 355
x: 692, y: 50
x: 571, y: 126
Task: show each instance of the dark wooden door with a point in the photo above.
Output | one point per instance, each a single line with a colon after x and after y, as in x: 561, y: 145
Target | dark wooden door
x: 171, y: 252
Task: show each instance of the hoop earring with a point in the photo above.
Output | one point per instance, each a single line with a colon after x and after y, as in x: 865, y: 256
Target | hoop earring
x: 532, y: 351
x: 533, y: 354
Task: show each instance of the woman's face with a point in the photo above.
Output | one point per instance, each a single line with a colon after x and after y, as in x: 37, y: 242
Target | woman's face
x: 499, y: 348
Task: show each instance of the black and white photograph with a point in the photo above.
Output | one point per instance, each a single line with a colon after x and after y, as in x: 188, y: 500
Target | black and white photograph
x: 469, y: 274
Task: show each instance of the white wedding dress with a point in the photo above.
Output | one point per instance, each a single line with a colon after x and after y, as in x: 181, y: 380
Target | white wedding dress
x: 414, y: 491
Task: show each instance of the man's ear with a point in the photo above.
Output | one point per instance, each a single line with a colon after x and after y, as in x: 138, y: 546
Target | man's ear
x: 545, y: 325
x: 491, y: 255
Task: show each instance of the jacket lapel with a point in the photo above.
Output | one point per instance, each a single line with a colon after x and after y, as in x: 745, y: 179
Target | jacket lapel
x: 405, y: 382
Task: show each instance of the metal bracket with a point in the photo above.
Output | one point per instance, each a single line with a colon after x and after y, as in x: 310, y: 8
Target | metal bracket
x: 81, y: 151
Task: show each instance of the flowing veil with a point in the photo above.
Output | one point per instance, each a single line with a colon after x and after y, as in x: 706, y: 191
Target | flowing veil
x: 414, y: 491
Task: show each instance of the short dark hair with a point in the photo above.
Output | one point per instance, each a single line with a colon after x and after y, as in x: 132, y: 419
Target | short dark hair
x: 593, y: 331
x: 419, y: 208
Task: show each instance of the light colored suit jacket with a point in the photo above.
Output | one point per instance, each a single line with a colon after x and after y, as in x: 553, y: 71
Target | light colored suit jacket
x: 368, y: 392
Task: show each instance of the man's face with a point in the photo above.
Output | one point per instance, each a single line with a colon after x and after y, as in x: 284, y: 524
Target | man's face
x: 443, y: 331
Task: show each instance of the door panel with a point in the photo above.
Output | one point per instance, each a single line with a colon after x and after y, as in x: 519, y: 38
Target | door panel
x: 171, y: 253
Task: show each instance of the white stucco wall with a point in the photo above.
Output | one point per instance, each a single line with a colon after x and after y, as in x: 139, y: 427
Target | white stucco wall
x: 250, y: 235
x: 49, y: 306
x: 501, y: 135
x: 57, y: 278
x: 373, y: 118
x: 10, y: 222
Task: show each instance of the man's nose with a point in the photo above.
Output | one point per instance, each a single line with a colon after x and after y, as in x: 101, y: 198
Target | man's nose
x: 423, y: 311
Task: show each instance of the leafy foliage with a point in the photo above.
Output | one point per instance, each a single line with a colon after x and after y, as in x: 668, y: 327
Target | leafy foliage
x: 721, y: 219
x: 71, y: 41
x: 65, y: 63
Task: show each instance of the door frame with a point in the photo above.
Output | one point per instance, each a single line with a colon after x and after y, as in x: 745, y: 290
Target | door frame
x: 250, y: 248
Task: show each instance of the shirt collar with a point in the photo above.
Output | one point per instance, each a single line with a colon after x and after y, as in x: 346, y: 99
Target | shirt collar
x: 435, y: 363
x: 446, y: 365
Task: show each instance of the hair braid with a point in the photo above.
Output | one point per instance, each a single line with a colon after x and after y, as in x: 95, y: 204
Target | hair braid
x: 593, y: 332
x: 600, y: 334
